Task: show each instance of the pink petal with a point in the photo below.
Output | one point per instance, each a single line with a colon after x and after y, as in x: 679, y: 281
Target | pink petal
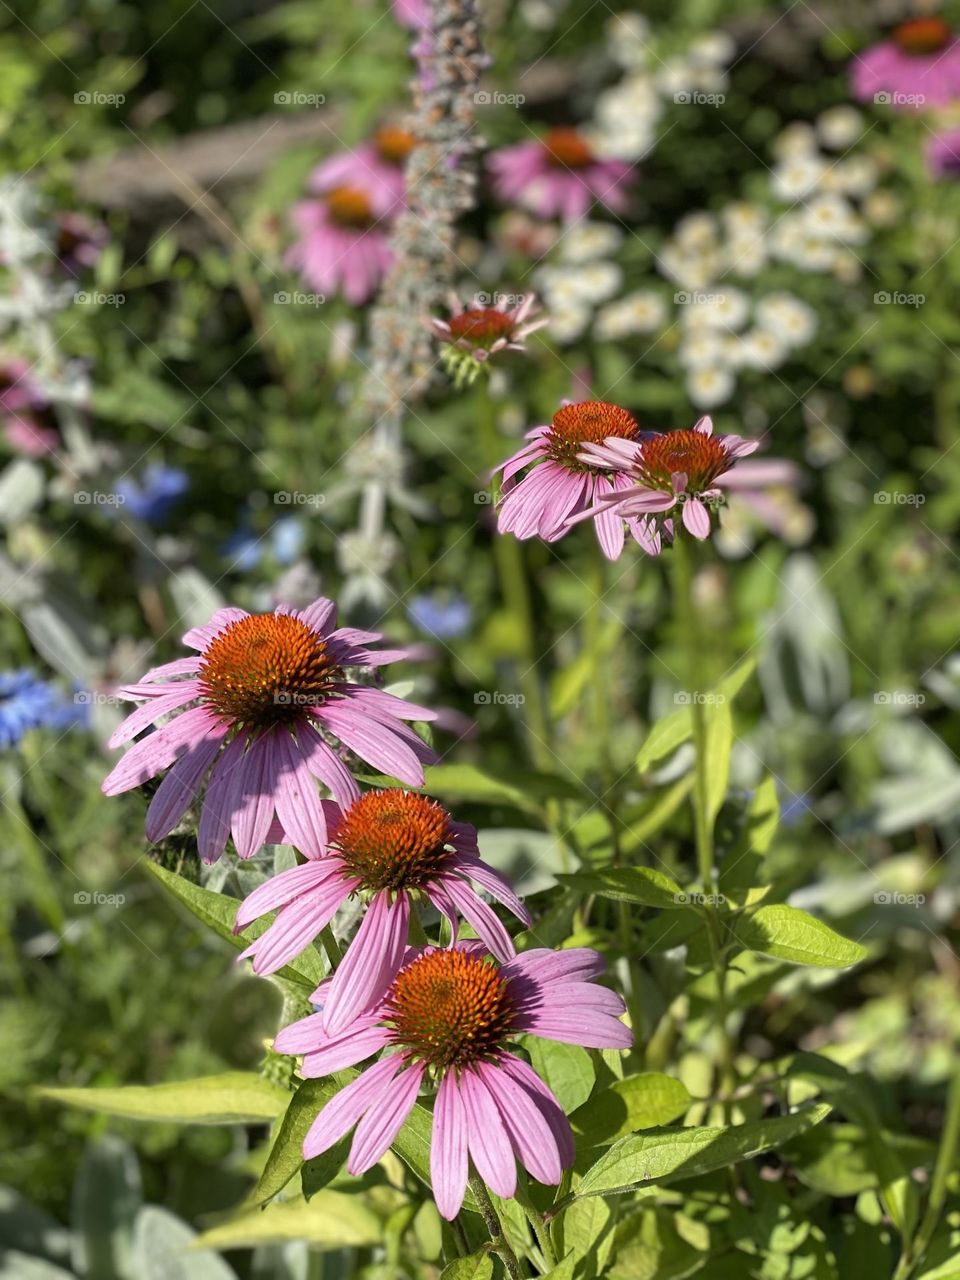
x: 324, y: 764
x: 216, y: 813
x: 487, y: 1139
x: 531, y: 1135
x: 378, y: 1128
x: 144, y: 760
x: 295, y: 795
x: 151, y: 711
x: 448, y: 1149
x: 371, y: 961
x: 696, y: 518
x: 200, y: 637
x: 546, y: 1104
x: 346, y: 1050
x: 344, y: 1110
x: 251, y: 799
x: 180, y: 786
x: 287, y: 885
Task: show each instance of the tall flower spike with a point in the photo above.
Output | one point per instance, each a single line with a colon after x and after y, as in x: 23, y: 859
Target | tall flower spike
x: 451, y: 1015
x: 397, y: 848
x: 258, y: 709
x: 559, y: 483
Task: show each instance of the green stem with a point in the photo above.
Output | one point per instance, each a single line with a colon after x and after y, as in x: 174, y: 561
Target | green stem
x: 514, y: 589
x: 540, y: 1228
x: 331, y: 947
x: 686, y: 615
x: 499, y: 1243
x: 946, y: 1159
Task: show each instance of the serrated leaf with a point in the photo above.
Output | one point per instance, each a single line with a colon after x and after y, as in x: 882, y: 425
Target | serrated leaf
x: 219, y: 912
x: 644, y: 886
x: 791, y: 934
x: 642, y: 1101
x: 669, y: 1155
x: 331, y: 1220
x: 477, y: 1266
x: 235, y: 1097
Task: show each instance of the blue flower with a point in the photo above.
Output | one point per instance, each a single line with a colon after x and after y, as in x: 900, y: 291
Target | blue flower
x: 27, y: 702
x: 158, y: 491
x: 444, y: 617
x: 246, y: 548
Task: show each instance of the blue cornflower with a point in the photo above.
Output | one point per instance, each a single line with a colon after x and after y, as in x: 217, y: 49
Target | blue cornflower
x: 27, y: 702
x: 445, y: 617
x: 246, y: 549
x: 155, y: 495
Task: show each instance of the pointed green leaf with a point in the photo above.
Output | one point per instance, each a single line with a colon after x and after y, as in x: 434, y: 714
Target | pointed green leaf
x: 235, y: 1097
x: 286, y: 1154
x: 478, y: 1266
x: 639, y: 1102
x: 791, y: 934
x: 331, y: 1220
x: 677, y: 727
x: 643, y: 885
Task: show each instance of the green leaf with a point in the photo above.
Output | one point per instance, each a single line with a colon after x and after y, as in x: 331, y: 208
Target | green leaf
x: 791, y: 934
x: 839, y: 1160
x: 477, y: 1266
x: 642, y: 885
x: 566, y: 1068
x: 671, y: 1154
x: 564, y: 1268
x: 520, y: 790
x: 639, y: 1102
x: 331, y: 1220
x: 163, y: 1250
x: 674, y: 729
x: 743, y: 865
x: 107, y: 1195
x: 717, y: 750
x: 219, y: 912
x: 570, y: 681
x: 286, y: 1154
x: 654, y: 813
x: 235, y: 1097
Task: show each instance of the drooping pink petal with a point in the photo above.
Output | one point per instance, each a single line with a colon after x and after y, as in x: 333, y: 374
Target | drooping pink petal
x: 295, y: 794
x: 372, y: 742
x: 215, y: 817
x: 324, y: 764
x: 531, y: 1135
x: 287, y: 885
x: 371, y: 961
x: 381, y: 1124
x: 482, y: 917
x: 448, y: 1149
x: 344, y: 1110
x: 145, y: 759
x: 487, y: 1141
x: 151, y: 711
x: 346, y: 1050
x: 294, y: 929
x: 251, y: 800
x: 180, y: 786
x: 696, y: 518
x: 546, y: 1104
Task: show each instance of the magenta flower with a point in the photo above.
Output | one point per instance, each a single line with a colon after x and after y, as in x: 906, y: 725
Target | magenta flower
x: 918, y: 66
x: 399, y: 847
x: 475, y: 333
x: 258, y: 706
x: 559, y: 483
x: 943, y: 154
x: 28, y: 425
x: 414, y: 14
x: 559, y: 176
x: 669, y: 470
x: 378, y: 164
x: 343, y: 246
x: 451, y: 1015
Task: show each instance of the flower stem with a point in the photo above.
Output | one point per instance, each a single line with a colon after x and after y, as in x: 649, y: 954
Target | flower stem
x: 514, y: 590
x: 914, y: 1251
x: 501, y: 1246
x: 331, y: 947
x: 686, y: 615
x: 540, y: 1228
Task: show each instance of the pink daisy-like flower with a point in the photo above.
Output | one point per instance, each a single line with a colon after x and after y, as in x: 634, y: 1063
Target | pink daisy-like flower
x: 559, y: 175
x: 258, y: 706
x: 918, y: 66
x: 342, y: 245
x: 451, y: 1015
x: 687, y: 469
x: 399, y: 847
x: 379, y: 163
x: 476, y: 332
x: 559, y: 483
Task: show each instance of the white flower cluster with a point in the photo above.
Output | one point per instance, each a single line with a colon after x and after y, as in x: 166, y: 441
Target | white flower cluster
x: 581, y: 277
x: 628, y: 113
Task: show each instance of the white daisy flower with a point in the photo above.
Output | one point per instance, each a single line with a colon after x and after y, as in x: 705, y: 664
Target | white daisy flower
x: 788, y: 317
x: 761, y: 348
x: 712, y: 49
x: 710, y: 385
x: 586, y: 241
x: 640, y: 312
x: 705, y: 349
x: 797, y: 176
x: 724, y: 309
x: 797, y: 139
x: 568, y: 323
x: 839, y: 127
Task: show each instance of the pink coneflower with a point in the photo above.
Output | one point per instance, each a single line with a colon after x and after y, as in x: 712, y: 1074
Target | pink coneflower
x: 399, y: 847
x: 687, y: 469
x: 918, y: 66
x: 451, y: 1015
x: 476, y: 332
x: 559, y: 483
x: 343, y: 246
x: 379, y: 163
x: 25, y: 410
x: 559, y: 175
x: 264, y: 696
x: 943, y: 154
